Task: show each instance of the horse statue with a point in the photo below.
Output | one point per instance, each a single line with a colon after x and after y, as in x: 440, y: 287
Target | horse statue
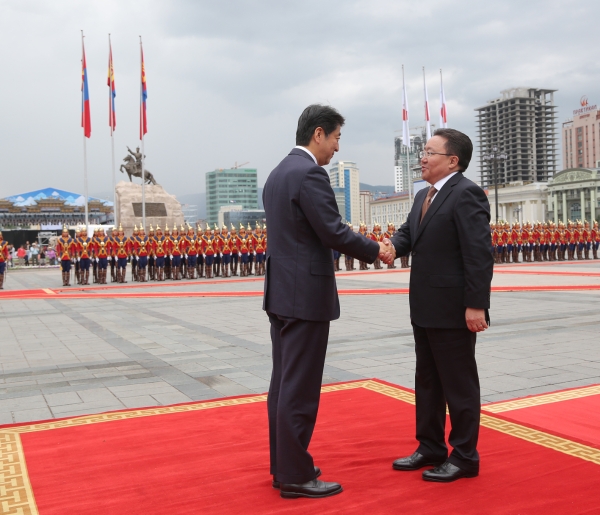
x: 134, y: 169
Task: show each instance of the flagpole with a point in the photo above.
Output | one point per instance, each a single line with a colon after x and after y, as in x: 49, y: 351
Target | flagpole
x: 85, y: 174
x: 112, y: 137
x: 443, y: 114
x: 427, y: 113
x: 406, y: 137
x: 142, y: 135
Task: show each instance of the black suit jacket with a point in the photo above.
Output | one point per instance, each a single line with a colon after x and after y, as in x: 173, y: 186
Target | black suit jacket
x: 452, y: 265
x: 304, y: 225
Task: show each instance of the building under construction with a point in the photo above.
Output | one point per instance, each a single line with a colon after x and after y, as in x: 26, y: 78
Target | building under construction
x: 522, y: 124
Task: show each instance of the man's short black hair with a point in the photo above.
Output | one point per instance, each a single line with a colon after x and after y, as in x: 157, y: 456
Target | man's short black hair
x: 457, y: 144
x: 314, y: 116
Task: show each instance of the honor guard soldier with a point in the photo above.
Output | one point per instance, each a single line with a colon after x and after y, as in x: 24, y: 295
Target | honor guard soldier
x: 260, y: 246
x: 4, y: 255
x: 586, y: 236
x: 559, y: 238
x: 160, y: 249
x: 362, y: 229
x: 377, y: 236
x: 525, y: 242
x: 578, y: 238
x: 84, y: 252
x: 175, y: 242
x: 65, y: 249
x: 101, y: 254
x: 235, y: 250
x: 140, y: 250
x: 348, y: 260
x: 113, y: 245
x: 515, y: 236
x: 95, y: 278
x: 190, y: 252
x: 244, y: 249
x: 391, y: 229
x: 535, y: 232
x: 569, y: 240
x: 217, y: 248
x: 251, y: 253
x: 168, y: 257
x: 130, y: 246
x: 495, y: 243
x: 550, y: 246
x: 208, y: 251
x: 225, y: 249
x: 595, y: 239
x: 200, y: 260
x: 151, y: 256
x: 121, y: 249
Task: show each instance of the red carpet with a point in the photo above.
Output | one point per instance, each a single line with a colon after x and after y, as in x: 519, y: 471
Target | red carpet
x: 212, y: 458
x: 573, y: 414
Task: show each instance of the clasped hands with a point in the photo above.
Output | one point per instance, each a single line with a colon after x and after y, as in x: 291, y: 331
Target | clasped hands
x: 387, y: 252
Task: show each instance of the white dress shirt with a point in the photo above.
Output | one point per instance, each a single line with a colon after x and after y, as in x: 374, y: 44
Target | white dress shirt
x: 308, y: 152
x: 438, y: 185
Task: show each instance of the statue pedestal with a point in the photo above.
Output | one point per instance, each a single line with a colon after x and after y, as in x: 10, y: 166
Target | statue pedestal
x: 162, y: 209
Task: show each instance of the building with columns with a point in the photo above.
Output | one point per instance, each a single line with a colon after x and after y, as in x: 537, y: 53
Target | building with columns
x: 520, y: 202
x: 393, y: 208
x: 573, y: 194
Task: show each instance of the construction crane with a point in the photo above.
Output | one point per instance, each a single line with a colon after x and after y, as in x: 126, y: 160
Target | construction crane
x: 234, y: 167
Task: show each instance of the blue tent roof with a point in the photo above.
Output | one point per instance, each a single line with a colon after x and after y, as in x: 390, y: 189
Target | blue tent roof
x: 70, y: 198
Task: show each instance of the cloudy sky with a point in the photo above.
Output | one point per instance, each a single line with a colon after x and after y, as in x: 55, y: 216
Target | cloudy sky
x: 227, y: 80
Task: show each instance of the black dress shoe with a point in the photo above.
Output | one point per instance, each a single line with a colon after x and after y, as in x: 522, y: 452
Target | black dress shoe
x: 415, y: 462
x: 276, y: 483
x: 446, y: 473
x: 313, y: 489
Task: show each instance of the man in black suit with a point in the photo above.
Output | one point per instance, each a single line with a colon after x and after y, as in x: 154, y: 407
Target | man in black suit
x: 448, y: 233
x: 301, y: 295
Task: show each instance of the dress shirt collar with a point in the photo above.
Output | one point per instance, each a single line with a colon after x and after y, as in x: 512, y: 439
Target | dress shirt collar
x: 438, y: 185
x: 308, y: 152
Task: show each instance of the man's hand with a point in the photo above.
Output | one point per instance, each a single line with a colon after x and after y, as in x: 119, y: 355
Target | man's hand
x: 476, y: 320
x: 387, y: 252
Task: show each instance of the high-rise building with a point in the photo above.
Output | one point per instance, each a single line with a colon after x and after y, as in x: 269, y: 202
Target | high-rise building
x: 345, y: 174
x: 581, y: 140
x: 231, y: 186
x: 522, y: 124
x: 340, y: 199
x: 406, y: 162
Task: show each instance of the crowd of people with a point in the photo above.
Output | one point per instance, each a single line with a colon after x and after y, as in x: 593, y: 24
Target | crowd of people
x: 544, y: 241
x: 159, y: 255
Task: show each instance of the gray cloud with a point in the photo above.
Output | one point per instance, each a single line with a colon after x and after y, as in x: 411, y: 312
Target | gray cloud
x: 227, y: 80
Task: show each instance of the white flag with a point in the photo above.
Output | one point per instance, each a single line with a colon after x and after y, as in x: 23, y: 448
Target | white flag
x: 405, y: 131
x: 427, y: 120
x: 443, y: 108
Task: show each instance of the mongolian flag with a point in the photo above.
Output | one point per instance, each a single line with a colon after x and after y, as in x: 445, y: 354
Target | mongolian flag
x: 443, y: 108
x: 112, y: 117
x: 143, y: 97
x: 86, y: 122
x: 405, y: 129
x: 427, y: 119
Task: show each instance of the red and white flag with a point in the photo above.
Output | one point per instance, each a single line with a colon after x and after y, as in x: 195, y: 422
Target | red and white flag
x: 427, y: 119
x: 405, y: 130
x: 443, y: 108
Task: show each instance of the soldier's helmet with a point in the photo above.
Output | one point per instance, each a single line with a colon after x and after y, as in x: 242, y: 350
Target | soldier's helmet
x: 390, y: 225
x: 517, y: 224
x: 233, y: 230
x: 224, y: 228
x: 376, y: 226
x: 249, y: 229
x: 158, y: 230
x: 595, y: 223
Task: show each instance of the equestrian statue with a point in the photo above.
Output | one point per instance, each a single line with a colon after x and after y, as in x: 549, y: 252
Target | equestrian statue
x: 133, y: 166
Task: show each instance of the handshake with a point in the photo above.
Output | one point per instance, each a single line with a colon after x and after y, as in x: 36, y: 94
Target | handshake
x: 387, y: 252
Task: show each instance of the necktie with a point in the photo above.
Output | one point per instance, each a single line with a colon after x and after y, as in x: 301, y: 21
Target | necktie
x: 432, y: 191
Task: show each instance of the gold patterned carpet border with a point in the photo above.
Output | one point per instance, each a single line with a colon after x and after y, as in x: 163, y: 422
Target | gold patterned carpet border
x: 547, y: 398
x: 16, y: 494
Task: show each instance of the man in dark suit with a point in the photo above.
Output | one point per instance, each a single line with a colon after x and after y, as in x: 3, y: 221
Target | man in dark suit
x: 448, y: 233
x: 301, y: 295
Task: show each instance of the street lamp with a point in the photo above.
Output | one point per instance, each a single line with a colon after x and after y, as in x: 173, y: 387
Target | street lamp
x: 493, y: 157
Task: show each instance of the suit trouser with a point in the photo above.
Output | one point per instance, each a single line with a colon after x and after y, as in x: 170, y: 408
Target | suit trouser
x: 446, y: 372
x: 299, y: 348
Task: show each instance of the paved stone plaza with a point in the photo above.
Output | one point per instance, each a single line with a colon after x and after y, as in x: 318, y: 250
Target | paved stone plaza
x: 67, y: 357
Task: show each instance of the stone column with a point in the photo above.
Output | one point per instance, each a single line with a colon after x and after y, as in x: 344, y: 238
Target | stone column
x: 582, y: 197
x: 593, y: 201
x: 564, y: 203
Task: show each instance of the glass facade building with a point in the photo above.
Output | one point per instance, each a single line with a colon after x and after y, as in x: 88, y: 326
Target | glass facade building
x: 232, y: 186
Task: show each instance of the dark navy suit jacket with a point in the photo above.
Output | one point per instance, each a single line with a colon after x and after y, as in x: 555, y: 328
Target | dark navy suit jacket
x: 452, y: 265
x: 304, y: 224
